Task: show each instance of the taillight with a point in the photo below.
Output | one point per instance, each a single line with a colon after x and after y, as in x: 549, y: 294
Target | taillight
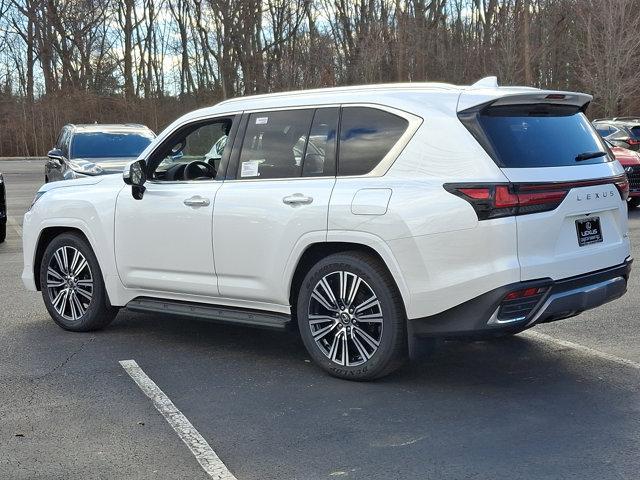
x: 633, y: 141
x: 504, y: 200
x: 623, y: 187
x: 495, y: 201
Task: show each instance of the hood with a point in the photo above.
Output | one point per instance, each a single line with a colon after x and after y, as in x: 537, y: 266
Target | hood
x: 107, y: 164
x: 78, y: 182
x: 626, y: 157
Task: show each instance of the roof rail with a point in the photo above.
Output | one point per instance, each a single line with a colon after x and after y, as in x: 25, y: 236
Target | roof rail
x: 486, y: 82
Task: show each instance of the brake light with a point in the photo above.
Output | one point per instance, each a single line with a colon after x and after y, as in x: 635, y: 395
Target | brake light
x: 503, y: 200
x: 633, y: 141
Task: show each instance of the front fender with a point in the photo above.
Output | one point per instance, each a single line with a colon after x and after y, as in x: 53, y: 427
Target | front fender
x: 88, y: 210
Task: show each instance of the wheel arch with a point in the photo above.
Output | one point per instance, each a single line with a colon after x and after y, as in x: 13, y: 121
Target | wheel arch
x: 47, y: 235
x: 318, y: 250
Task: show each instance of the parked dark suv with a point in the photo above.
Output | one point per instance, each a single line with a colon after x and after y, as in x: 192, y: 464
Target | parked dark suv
x: 621, y: 131
x: 87, y: 150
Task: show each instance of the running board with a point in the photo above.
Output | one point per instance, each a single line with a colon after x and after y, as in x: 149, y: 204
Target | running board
x: 240, y: 316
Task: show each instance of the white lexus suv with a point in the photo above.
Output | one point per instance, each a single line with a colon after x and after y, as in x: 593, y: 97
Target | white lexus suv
x: 365, y: 217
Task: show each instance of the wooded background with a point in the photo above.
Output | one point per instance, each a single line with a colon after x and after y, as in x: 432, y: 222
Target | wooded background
x: 148, y: 61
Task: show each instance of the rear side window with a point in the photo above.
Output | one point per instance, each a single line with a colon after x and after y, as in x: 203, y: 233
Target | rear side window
x: 525, y: 136
x: 366, y: 136
x: 289, y: 144
x: 274, y: 144
x: 320, y: 154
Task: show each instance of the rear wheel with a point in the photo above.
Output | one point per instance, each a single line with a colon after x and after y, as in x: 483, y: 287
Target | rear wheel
x: 634, y: 202
x: 3, y: 232
x: 351, y: 317
x: 72, y: 285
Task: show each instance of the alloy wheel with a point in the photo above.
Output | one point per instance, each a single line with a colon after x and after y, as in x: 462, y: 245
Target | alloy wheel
x: 345, y: 318
x: 69, y: 283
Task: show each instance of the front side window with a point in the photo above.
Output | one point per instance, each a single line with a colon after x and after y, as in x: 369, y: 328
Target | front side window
x: 194, y: 152
x: 103, y: 144
x: 366, y: 136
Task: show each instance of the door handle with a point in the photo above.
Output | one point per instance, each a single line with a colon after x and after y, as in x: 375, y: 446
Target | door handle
x: 197, y: 201
x: 297, y: 199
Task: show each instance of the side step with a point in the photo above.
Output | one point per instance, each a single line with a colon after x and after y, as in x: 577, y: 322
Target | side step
x: 241, y: 316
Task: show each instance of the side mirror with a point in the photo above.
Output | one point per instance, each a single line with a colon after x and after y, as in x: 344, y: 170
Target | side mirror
x: 56, y: 154
x: 135, y: 174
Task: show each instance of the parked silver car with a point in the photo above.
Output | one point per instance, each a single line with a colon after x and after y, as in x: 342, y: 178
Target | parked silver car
x: 94, y: 149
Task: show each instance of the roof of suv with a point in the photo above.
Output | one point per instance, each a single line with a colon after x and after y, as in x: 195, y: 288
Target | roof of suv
x: 411, y: 97
x: 413, y: 87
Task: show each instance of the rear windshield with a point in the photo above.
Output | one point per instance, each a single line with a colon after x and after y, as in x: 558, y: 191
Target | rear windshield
x: 104, y: 145
x: 522, y: 136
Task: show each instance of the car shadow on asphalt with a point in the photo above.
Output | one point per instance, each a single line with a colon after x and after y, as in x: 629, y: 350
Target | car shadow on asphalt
x: 505, y: 362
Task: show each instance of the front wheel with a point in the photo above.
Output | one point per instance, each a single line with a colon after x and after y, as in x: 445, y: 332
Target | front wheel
x: 351, y: 317
x: 72, y: 285
x: 3, y: 232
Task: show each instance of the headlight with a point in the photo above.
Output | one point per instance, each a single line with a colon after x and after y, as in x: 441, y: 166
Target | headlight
x: 36, y: 198
x: 85, y: 168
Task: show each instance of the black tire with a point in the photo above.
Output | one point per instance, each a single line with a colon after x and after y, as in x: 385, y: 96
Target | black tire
x: 365, y: 361
x: 3, y: 232
x: 634, y: 202
x: 98, y: 312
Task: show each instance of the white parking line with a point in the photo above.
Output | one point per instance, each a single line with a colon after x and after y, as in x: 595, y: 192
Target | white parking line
x: 205, y: 455
x: 576, y: 346
x: 15, y: 224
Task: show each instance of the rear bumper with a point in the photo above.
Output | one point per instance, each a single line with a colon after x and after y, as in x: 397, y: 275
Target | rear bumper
x: 562, y: 299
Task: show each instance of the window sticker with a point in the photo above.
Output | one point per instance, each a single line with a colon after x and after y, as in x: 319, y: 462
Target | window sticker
x: 262, y: 120
x: 250, y: 168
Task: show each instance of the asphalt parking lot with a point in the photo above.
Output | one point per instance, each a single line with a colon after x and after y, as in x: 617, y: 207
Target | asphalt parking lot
x: 529, y: 407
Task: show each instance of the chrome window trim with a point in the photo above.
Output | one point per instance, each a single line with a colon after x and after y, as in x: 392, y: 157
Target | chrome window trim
x: 381, y: 168
x: 378, y: 171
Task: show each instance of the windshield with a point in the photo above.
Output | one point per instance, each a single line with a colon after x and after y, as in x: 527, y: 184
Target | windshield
x: 104, y: 145
x: 540, y: 136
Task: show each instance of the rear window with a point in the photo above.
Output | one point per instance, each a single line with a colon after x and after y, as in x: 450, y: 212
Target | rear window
x: 635, y: 131
x: 521, y: 136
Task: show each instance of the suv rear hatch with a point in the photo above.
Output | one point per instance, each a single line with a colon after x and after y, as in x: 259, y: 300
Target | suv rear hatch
x: 566, y: 190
